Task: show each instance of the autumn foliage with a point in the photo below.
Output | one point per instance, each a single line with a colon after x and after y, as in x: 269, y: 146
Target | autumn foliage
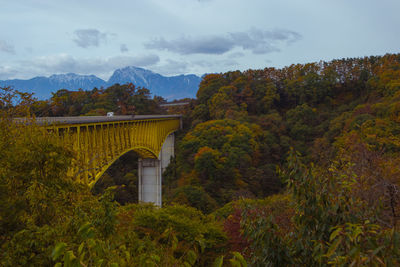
x: 290, y: 167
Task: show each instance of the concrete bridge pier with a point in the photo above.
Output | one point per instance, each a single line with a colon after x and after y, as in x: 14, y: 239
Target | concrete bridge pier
x: 167, y: 151
x: 150, y: 181
x: 150, y: 173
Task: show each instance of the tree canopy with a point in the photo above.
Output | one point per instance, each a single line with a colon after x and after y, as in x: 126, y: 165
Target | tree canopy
x: 276, y: 167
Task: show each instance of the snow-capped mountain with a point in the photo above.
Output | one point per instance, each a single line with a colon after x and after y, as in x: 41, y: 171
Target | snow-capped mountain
x: 75, y: 80
x: 44, y: 86
x: 137, y: 76
x: 175, y: 87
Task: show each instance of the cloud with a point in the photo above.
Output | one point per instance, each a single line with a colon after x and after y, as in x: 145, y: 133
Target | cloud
x: 236, y: 55
x: 138, y: 61
x: 255, y: 40
x: 187, y: 45
x: 6, y: 72
x: 29, y: 49
x: 172, y: 67
x: 264, y: 42
x: 102, y: 67
x: 123, y: 48
x: 215, y: 63
x: 6, y: 47
x: 89, y: 37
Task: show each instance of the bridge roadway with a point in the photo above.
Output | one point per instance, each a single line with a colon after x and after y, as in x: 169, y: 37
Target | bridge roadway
x: 96, y: 119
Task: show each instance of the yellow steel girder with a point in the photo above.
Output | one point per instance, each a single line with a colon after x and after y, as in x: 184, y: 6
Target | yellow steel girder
x: 98, y: 145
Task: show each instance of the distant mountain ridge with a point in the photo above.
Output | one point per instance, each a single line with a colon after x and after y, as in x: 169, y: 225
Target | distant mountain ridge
x: 174, y: 87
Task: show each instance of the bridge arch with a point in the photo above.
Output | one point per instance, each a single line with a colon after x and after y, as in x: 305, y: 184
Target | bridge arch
x: 139, y: 150
x: 143, y: 152
x: 99, y: 141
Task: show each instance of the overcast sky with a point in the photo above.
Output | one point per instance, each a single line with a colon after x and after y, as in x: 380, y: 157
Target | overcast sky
x: 44, y: 37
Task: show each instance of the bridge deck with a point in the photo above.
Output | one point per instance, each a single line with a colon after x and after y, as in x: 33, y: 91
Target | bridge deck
x: 97, y: 119
x: 174, y: 104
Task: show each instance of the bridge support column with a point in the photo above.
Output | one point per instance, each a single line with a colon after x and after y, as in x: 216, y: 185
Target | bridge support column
x: 150, y: 173
x: 150, y: 188
x: 167, y: 151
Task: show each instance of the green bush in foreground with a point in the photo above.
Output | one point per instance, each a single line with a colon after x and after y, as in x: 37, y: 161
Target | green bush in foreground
x: 330, y: 223
x: 47, y: 219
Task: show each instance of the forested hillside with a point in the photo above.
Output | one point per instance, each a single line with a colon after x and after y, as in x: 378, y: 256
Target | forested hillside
x: 242, y: 125
x: 324, y: 135
x: 289, y: 167
x: 120, y: 99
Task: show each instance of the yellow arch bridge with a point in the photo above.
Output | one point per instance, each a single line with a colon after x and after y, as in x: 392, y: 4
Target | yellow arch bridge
x: 99, y: 141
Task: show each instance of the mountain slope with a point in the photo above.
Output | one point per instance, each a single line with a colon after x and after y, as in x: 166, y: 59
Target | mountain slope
x: 168, y: 87
x: 44, y: 86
